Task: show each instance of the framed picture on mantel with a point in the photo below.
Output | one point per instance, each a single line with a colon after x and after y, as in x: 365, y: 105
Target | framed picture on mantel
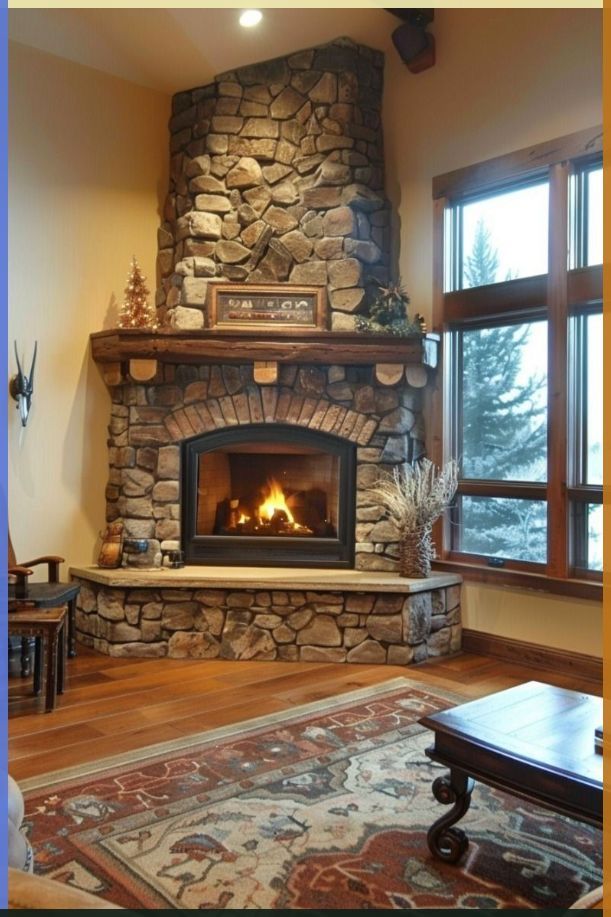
x: 281, y: 306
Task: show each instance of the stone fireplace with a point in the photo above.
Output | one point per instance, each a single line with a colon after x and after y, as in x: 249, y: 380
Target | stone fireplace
x: 362, y: 426
x: 277, y: 176
x: 335, y: 611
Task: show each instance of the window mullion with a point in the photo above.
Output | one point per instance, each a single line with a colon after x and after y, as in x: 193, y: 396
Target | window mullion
x: 435, y: 398
x: 557, y: 307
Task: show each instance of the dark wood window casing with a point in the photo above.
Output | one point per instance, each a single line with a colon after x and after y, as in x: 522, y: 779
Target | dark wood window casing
x: 560, y: 297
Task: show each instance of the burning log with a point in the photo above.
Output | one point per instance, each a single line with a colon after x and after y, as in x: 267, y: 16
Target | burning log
x: 274, y: 513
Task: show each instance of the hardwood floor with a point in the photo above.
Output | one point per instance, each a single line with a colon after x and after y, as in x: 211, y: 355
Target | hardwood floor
x: 116, y: 705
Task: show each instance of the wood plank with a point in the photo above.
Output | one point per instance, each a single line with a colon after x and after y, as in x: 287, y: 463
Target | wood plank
x: 511, y: 575
x: 557, y: 349
x: 439, y: 258
x: 23, y: 720
x: 164, y: 675
x: 526, y: 161
x: 229, y: 715
x: 585, y: 285
x: 201, y: 705
x: 579, y: 665
x: 23, y: 746
x: 219, y: 689
x: 119, y: 345
x: 148, y: 700
x: 86, y: 752
x: 526, y: 294
x: 319, y: 690
x: 435, y: 394
x: 511, y: 489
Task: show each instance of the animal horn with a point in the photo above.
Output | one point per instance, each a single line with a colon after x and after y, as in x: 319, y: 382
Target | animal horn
x: 21, y: 386
x: 31, y: 376
x: 19, y: 369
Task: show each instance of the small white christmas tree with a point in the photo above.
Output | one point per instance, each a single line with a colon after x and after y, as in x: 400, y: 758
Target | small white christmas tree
x: 135, y: 311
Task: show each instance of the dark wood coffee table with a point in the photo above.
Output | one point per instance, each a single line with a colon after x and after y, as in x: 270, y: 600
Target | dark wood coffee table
x: 535, y: 741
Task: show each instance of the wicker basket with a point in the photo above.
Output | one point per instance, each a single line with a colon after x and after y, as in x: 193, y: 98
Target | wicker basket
x: 415, y: 553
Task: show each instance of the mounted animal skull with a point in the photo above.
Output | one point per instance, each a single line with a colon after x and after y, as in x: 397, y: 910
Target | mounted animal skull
x: 22, y: 386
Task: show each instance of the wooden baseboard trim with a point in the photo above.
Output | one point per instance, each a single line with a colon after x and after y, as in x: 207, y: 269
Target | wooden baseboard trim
x: 545, y: 657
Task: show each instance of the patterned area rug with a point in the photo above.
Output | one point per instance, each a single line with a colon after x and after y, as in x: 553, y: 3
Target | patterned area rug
x: 326, y: 806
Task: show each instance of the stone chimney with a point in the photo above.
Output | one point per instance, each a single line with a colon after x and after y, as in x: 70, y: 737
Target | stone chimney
x: 277, y: 175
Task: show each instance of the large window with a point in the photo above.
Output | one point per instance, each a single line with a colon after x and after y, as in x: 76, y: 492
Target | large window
x: 519, y: 300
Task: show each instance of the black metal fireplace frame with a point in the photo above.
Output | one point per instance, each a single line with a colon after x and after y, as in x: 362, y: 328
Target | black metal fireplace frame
x: 268, y: 551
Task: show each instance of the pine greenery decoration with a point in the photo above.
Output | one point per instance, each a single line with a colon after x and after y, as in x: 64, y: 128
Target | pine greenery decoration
x: 388, y: 313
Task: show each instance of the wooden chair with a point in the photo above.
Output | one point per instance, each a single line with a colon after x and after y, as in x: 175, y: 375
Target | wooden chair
x: 49, y: 594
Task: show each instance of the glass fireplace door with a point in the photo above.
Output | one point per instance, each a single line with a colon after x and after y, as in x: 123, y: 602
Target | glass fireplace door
x: 272, y: 495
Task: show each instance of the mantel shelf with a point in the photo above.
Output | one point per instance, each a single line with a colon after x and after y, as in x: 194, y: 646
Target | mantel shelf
x: 120, y: 345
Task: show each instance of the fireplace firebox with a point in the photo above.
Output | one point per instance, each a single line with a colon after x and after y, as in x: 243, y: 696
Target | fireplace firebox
x: 268, y: 495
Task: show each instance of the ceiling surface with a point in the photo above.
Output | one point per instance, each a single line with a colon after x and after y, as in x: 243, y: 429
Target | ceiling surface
x: 174, y: 49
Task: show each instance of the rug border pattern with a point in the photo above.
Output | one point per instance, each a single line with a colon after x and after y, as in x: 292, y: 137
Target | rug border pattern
x: 334, y: 702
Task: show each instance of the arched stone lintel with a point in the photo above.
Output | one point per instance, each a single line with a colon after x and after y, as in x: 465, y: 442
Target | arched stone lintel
x: 270, y: 405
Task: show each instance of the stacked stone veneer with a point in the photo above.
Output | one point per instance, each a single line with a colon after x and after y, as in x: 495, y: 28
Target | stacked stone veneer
x: 275, y: 624
x: 277, y: 174
x: 148, y: 422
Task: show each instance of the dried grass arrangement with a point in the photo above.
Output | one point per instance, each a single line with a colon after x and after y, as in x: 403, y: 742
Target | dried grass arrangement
x: 414, y: 497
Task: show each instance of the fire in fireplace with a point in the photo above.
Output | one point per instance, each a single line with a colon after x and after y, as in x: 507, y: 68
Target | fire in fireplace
x: 273, y: 489
x: 273, y: 516
x: 285, y: 494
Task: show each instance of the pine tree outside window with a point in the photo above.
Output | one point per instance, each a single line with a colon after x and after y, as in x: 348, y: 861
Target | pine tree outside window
x: 518, y: 297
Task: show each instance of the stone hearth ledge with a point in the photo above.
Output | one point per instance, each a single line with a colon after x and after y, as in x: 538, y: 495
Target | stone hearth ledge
x: 307, y: 615
x: 214, y: 577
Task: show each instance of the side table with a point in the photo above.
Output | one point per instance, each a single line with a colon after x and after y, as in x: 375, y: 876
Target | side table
x: 48, y: 625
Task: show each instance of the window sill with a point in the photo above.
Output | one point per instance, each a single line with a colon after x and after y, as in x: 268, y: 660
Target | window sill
x: 578, y: 588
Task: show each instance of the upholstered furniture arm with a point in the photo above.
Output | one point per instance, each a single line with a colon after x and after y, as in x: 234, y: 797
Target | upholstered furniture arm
x: 33, y: 893
x: 590, y: 901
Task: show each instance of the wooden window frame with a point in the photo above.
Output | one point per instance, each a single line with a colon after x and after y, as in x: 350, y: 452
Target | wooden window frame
x: 555, y: 296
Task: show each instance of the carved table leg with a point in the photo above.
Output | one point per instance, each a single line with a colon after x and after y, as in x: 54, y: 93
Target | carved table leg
x: 444, y: 841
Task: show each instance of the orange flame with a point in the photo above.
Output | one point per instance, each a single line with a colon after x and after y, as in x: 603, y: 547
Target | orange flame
x: 274, y: 500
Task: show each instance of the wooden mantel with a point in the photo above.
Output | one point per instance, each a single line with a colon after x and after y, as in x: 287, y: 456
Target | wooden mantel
x: 116, y: 348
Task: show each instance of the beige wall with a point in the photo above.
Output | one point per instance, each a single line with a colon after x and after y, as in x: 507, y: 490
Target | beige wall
x: 88, y: 162
x: 504, y: 79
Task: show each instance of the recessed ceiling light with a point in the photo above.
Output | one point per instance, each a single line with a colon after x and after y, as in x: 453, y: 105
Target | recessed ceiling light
x: 250, y: 18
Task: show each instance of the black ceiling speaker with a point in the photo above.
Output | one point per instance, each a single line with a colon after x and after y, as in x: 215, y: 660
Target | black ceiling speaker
x: 415, y: 45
